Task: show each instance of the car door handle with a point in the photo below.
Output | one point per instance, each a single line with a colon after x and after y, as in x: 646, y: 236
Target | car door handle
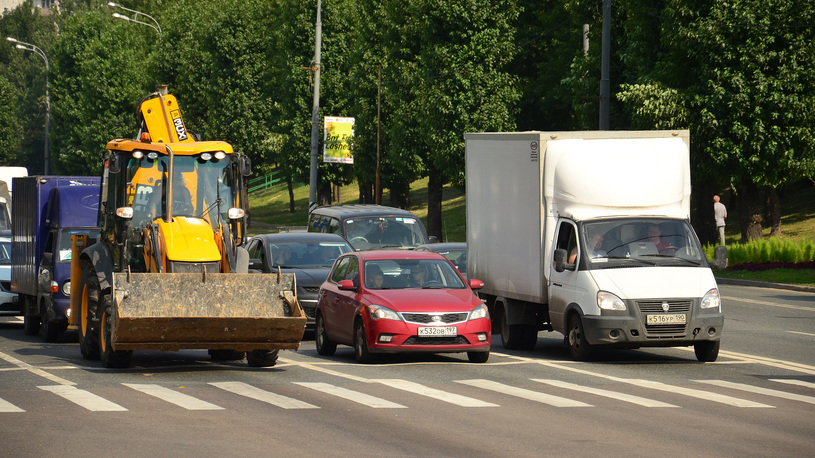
x: 557, y: 284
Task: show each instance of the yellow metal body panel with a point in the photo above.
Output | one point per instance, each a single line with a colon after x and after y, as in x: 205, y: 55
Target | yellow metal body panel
x: 162, y: 115
x: 188, y: 239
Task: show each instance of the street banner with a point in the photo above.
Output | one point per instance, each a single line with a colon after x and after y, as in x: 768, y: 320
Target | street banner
x: 337, y: 140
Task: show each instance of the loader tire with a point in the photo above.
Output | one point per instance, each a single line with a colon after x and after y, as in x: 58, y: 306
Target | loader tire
x: 116, y: 359
x: 88, y: 324
x: 262, y: 358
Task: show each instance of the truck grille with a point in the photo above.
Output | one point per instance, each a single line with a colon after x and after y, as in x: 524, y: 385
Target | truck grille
x: 656, y: 306
x: 665, y: 330
x: 425, y: 318
x: 459, y: 340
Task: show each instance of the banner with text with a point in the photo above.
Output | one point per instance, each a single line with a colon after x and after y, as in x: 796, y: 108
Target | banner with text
x: 337, y: 140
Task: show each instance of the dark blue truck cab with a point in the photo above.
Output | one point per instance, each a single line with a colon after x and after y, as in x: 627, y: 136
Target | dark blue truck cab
x: 46, y: 212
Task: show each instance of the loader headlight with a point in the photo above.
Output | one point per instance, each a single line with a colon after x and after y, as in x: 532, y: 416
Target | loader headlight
x: 609, y: 301
x: 220, y: 155
x: 124, y: 212
x: 712, y: 300
x: 206, y: 156
x: 138, y: 155
x: 236, y: 213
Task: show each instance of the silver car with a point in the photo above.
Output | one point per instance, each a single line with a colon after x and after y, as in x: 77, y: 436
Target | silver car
x: 9, y: 304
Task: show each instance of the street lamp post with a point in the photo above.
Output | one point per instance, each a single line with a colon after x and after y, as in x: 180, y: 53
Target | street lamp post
x: 136, y: 14
x: 30, y: 47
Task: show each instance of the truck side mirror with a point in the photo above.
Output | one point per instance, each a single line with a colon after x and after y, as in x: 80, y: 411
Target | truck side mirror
x: 559, y: 259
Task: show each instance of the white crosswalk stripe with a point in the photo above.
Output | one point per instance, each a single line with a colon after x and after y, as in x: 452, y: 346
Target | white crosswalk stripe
x: 523, y: 393
x: 356, y: 396
x: 794, y: 382
x: 84, y: 398
x: 7, y: 407
x: 645, y: 402
x: 268, y: 397
x: 699, y: 394
x: 760, y: 390
x: 440, y: 395
x: 174, y: 397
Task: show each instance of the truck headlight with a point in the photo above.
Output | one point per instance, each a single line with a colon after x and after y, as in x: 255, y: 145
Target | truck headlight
x: 480, y: 311
x: 379, y: 312
x: 609, y: 301
x: 712, y: 300
x: 66, y: 288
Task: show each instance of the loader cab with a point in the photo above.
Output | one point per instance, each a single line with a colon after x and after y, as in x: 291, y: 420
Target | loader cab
x: 207, y: 186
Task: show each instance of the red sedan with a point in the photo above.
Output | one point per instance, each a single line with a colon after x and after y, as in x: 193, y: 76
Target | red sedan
x: 401, y: 301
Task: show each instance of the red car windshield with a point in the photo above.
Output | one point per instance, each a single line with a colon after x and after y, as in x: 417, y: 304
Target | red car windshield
x: 411, y: 273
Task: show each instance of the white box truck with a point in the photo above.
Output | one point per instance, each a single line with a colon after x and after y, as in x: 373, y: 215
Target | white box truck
x: 588, y: 234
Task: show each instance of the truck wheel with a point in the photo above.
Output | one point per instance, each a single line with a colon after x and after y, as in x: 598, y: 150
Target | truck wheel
x: 706, y: 351
x: 49, y: 329
x: 325, y: 346
x: 361, y: 353
x: 88, y: 332
x: 478, y: 356
x: 579, y: 348
x: 517, y: 336
x: 262, y: 358
x: 110, y: 358
x: 31, y: 323
x: 226, y: 355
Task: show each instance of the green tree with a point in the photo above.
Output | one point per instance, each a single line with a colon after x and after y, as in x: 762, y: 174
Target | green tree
x: 11, y: 128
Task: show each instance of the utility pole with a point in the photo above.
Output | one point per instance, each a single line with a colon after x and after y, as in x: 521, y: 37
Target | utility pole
x: 378, y: 190
x: 315, y: 114
x: 605, y: 85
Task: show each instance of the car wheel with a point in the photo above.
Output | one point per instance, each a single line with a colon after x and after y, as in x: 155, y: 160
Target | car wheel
x: 706, y: 351
x: 579, y: 347
x: 361, y: 353
x: 478, y: 356
x: 325, y: 346
x: 262, y: 358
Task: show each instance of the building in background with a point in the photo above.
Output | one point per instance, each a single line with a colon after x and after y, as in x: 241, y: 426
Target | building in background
x: 43, y: 5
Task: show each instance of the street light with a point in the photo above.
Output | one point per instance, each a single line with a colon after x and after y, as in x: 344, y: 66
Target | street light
x: 155, y: 27
x: 29, y: 47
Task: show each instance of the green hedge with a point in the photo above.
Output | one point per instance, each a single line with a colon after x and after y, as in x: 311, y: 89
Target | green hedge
x: 773, y: 249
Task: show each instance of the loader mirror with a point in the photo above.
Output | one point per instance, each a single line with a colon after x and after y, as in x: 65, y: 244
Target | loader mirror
x: 245, y: 165
x: 114, y: 163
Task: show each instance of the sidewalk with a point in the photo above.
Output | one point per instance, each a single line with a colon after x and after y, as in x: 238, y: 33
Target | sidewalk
x: 764, y: 284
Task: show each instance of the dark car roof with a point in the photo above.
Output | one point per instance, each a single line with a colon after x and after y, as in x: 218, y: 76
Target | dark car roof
x: 442, y: 246
x: 355, y: 211
x: 306, y: 237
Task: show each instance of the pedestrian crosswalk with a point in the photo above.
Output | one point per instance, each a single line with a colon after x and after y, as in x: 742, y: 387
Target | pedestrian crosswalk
x: 488, y: 394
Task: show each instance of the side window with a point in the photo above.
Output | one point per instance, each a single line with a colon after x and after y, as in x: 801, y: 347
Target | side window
x: 567, y: 240
x: 314, y: 223
x: 254, y: 249
x: 335, y: 226
x: 341, y: 268
x: 353, y: 271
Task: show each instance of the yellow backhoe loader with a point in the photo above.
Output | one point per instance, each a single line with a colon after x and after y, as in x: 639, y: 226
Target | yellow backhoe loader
x: 169, y: 271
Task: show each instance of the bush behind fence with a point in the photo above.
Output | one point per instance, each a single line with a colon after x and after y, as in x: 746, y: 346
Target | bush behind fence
x: 773, y: 249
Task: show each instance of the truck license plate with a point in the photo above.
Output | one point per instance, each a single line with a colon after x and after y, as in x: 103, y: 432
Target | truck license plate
x: 676, y: 318
x: 438, y: 331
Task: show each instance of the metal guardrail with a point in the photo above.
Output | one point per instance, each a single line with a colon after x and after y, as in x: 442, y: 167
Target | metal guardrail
x: 265, y: 182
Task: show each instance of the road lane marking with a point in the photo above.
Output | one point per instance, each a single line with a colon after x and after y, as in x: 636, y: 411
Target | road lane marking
x: 690, y: 392
x: 316, y: 367
x: 35, y: 370
x: 760, y: 390
x: 7, y: 407
x: 268, y: 397
x: 645, y: 402
x: 440, y: 395
x: 350, y: 395
x: 772, y: 304
x: 84, y: 398
x: 794, y: 382
x: 523, y: 393
x: 802, y: 333
x: 174, y: 397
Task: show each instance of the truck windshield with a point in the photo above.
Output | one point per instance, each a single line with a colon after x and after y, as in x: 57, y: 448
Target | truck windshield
x: 64, y: 241
x: 647, y: 240
x: 201, y: 188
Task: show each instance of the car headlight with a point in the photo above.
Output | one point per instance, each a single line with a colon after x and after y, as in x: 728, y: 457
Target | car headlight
x: 480, y: 311
x: 379, y: 312
x: 712, y: 300
x: 608, y: 301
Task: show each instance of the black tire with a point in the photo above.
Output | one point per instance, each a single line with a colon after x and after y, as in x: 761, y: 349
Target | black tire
x: 31, y: 323
x: 325, y: 346
x: 115, y: 359
x: 478, y: 356
x: 262, y: 358
x: 89, y: 305
x: 361, y: 353
x: 517, y: 336
x: 49, y: 329
x: 579, y: 347
x: 227, y: 355
x: 707, y: 351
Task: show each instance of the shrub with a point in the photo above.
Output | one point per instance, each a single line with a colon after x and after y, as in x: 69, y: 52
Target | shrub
x: 773, y: 249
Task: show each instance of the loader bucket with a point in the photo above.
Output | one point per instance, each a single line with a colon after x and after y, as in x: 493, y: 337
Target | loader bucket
x: 171, y: 311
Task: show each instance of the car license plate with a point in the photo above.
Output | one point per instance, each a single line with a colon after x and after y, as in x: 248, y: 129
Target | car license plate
x: 438, y: 331
x: 676, y: 318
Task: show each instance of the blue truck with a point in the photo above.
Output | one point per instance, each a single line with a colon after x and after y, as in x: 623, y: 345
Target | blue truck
x: 46, y: 212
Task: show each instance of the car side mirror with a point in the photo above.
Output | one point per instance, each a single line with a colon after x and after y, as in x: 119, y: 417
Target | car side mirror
x: 346, y: 285
x: 256, y: 264
x: 476, y: 284
x: 433, y: 239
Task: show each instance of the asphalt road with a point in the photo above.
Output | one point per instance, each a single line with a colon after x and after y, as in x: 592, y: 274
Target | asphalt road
x: 757, y: 399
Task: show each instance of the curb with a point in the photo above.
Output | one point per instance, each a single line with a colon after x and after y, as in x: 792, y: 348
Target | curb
x: 764, y: 284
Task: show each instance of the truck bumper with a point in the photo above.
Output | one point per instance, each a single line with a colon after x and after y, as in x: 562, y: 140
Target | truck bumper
x: 631, y: 331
